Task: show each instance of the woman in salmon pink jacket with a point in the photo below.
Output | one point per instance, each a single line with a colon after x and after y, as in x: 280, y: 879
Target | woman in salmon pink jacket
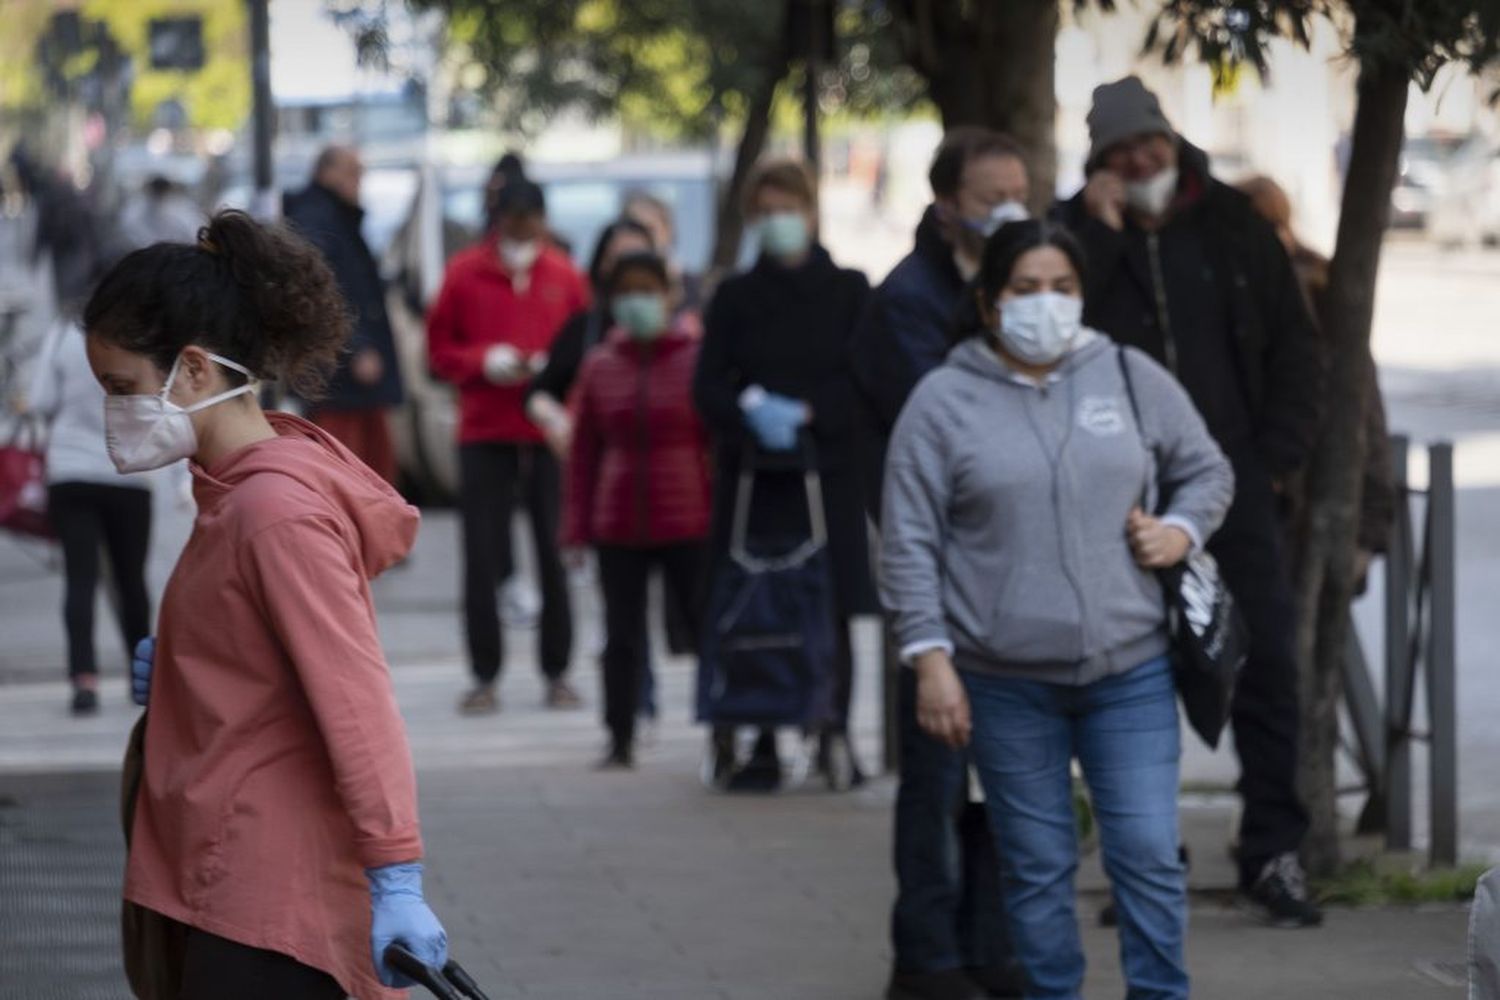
x: 637, y: 477
x: 274, y: 829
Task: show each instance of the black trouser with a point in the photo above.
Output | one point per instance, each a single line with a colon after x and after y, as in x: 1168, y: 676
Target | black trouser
x: 623, y: 575
x: 216, y: 968
x: 494, y: 476
x: 1266, y: 706
x: 87, y: 516
x: 949, y: 910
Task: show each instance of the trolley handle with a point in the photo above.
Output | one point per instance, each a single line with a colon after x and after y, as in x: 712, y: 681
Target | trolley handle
x: 450, y: 982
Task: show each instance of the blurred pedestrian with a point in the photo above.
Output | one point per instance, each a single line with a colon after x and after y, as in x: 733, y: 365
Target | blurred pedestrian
x: 657, y: 216
x: 774, y: 377
x: 1377, y: 498
x: 510, y: 167
x: 160, y: 212
x: 355, y: 407
x: 274, y: 829
x: 637, y: 476
x: 1020, y: 570
x: 495, y: 320
x: 947, y: 926
x: 1183, y: 268
x: 92, y: 507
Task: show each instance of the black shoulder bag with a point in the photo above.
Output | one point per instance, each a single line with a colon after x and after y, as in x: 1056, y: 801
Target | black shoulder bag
x: 1209, y: 639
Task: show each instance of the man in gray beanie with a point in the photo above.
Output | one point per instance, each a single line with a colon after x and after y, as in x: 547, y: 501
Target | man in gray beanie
x: 1182, y: 267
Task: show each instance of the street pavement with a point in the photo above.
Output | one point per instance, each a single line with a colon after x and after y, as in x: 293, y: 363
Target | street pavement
x: 556, y: 881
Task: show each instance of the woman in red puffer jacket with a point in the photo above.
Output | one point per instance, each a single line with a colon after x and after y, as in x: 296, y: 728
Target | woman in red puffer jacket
x: 637, y: 480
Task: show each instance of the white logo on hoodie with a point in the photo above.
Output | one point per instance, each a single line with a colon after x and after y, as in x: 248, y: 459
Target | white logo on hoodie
x: 1101, y: 416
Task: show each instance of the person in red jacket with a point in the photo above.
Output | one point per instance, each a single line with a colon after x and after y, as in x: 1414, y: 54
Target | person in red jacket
x: 502, y: 303
x: 637, y: 477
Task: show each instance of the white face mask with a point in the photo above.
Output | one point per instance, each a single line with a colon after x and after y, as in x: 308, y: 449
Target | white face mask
x: 150, y: 431
x: 519, y: 255
x: 1040, y: 329
x: 1153, y: 195
x: 1006, y: 211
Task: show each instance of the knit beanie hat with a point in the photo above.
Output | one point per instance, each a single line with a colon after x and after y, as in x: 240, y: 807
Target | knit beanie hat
x: 1123, y: 109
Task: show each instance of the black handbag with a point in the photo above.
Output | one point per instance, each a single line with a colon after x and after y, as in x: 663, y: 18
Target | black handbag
x: 1209, y: 638
x: 768, y: 644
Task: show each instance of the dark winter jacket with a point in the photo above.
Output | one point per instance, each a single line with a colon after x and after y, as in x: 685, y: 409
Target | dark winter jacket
x: 333, y: 226
x: 1212, y: 295
x: 790, y: 330
x: 637, y: 473
x: 906, y: 332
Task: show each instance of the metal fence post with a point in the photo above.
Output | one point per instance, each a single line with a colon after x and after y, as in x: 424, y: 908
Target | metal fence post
x: 1442, y: 695
x: 1398, y: 566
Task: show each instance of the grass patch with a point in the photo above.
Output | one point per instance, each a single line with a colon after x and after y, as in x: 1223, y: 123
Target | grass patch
x: 1366, y: 883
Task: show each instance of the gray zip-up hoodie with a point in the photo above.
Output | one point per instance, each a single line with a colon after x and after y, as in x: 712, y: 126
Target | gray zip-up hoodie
x: 1003, y: 531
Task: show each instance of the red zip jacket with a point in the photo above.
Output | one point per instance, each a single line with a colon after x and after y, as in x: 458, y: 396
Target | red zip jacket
x: 479, y: 307
x: 637, y: 473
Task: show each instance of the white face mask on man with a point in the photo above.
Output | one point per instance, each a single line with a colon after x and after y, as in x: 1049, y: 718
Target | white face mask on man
x: 1153, y: 195
x: 1041, y: 328
x: 145, y: 432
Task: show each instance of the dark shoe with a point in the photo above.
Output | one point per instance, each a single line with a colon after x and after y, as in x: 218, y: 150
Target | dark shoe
x: 1006, y: 980
x: 560, y: 695
x: 85, y: 701
x: 951, y: 984
x: 1109, y: 916
x: 482, y: 700
x: 619, y: 758
x: 1279, y: 896
x: 718, y: 766
x: 762, y: 772
x: 837, y: 764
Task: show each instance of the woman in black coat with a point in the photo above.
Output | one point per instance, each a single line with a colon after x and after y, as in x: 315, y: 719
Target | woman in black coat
x: 774, y: 373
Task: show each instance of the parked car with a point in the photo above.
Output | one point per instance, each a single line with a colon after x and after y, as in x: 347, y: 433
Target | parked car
x: 447, y: 213
x: 1466, y: 211
x: 1424, y: 162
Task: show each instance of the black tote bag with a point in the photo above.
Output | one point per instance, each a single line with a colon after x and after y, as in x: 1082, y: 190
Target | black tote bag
x: 1209, y: 639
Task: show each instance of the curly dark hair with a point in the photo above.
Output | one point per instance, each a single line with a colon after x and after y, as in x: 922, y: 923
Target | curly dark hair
x: 256, y: 293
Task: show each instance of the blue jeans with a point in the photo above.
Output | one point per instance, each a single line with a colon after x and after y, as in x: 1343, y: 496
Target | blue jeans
x: 1124, y: 732
x: 948, y: 904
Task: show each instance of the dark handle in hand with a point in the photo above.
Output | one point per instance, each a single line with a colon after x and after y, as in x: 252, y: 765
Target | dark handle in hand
x: 450, y: 982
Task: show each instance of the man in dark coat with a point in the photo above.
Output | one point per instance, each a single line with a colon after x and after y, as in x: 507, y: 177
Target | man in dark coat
x: 367, y: 385
x: 1181, y: 266
x: 947, y: 927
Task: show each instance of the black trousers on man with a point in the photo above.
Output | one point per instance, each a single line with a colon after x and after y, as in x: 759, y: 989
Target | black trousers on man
x: 215, y: 968
x: 624, y: 572
x: 1265, y: 716
x: 494, y: 476
x: 89, y: 518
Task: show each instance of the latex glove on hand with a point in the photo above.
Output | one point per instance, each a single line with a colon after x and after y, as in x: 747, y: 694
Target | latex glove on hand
x: 503, y: 365
x: 775, y: 420
x: 141, y: 665
x: 401, y: 916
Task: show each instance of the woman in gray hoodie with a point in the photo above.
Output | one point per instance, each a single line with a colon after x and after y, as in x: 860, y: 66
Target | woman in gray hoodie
x: 1019, y: 562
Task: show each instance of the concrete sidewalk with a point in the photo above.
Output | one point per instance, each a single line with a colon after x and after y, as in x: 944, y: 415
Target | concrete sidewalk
x: 555, y: 881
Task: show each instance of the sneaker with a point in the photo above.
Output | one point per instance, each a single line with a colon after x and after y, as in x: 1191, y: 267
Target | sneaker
x: 837, y: 764
x: 560, y: 695
x: 85, y: 702
x: 1279, y: 896
x: 482, y: 700
x: 719, y: 762
x: 951, y: 984
x: 1005, y: 980
x: 762, y: 772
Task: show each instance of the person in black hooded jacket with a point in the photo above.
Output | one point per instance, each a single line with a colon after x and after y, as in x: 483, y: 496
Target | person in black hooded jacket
x: 774, y: 370
x: 1182, y: 267
x: 356, y: 406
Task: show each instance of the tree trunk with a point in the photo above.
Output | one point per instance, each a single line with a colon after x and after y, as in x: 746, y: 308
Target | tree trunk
x: 1328, y: 530
x: 730, y: 224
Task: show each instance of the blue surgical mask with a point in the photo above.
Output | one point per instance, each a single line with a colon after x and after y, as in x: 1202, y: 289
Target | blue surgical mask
x: 784, y: 235
x: 1041, y: 328
x: 642, y: 314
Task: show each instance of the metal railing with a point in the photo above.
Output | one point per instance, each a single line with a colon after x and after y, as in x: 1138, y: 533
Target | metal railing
x: 1420, y: 645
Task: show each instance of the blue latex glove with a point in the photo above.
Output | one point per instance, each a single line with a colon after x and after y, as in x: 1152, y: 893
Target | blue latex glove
x: 141, y: 665
x: 774, y: 421
x: 402, y: 915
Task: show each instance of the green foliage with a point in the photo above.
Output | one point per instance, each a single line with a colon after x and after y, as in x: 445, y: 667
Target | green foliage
x: 1367, y: 883
x: 1418, y: 38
